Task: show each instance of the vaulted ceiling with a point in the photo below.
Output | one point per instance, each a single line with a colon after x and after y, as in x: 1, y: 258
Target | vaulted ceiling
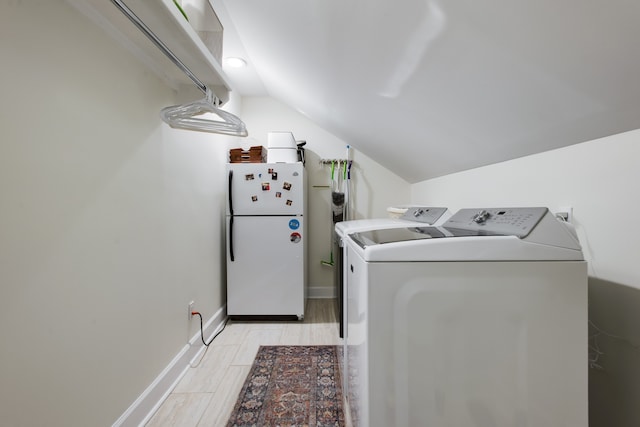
x: 432, y: 87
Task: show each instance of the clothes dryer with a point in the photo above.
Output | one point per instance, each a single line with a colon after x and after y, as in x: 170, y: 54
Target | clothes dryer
x: 413, y: 215
x: 479, y: 322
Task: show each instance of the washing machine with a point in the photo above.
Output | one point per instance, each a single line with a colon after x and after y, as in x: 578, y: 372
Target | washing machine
x: 480, y: 322
x: 411, y: 215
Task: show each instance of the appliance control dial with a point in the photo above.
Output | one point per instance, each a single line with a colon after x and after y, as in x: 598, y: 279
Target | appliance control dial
x: 424, y: 214
x: 481, y: 216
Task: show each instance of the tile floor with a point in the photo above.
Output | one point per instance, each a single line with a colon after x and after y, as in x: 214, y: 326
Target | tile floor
x: 207, y: 393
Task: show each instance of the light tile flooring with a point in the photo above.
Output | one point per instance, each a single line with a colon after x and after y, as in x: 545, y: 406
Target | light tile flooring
x: 207, y: 393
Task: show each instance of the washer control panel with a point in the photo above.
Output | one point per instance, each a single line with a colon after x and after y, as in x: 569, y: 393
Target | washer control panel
x: 428, y: 215
x: 508, y: 221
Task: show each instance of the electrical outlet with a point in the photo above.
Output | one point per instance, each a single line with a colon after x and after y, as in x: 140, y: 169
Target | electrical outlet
x: 192, y: 306
x: 566, y: 213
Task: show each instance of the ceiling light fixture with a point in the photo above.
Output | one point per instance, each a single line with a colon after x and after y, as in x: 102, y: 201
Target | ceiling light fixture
x: 235, y: 62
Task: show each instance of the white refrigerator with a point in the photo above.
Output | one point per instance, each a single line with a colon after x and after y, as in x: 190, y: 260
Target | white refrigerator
x: 266, y: 239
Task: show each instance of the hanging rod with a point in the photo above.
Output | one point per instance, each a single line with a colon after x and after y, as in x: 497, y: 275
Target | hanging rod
x: 159, y: 43
x: 329, y: 161
x: 185, y: 116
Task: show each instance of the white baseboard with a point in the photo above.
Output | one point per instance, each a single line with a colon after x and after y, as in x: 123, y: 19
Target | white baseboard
x: 318, y: 292
x: 141, y: 411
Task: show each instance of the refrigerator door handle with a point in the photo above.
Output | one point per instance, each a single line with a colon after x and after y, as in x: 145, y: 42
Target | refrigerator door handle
x: 230, y: 194
x: 231, y: 255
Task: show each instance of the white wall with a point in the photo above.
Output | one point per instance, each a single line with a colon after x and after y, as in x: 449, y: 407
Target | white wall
x: 111, y: 222
x: 597, y: 178
x: 373, y: 188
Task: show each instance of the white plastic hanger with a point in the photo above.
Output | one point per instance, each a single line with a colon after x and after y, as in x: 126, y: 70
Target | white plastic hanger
x: 184, y: 117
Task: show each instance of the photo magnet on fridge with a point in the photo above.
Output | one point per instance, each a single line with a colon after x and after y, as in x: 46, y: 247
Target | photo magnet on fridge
x: 265, y: 186
x: 287, y: 186
x: 249, y: 177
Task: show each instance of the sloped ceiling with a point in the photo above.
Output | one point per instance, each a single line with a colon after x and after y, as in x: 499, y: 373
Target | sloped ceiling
x: 432, y: 87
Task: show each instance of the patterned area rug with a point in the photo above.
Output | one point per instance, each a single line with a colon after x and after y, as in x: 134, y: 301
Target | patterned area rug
x: 291, y: 386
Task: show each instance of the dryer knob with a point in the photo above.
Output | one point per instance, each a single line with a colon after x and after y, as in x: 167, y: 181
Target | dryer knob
x: 481, y: 217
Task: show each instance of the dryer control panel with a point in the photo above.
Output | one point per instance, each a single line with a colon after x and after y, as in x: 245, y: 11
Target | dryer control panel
x: 428, y: 215
x: 508, y: 221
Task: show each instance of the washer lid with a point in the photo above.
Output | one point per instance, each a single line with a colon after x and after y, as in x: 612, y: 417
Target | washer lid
x: 407, y: 234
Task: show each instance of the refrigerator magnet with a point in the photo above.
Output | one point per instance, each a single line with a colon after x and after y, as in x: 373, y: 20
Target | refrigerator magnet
x: 294, y: 224
x: 295, y: 237
x: 266, y: 186
x: 249, y: 177
x: 254, y: 198
x: 287, y: 186
x: 274, y: 176
x: 278, y: 194
x: 289, y: 202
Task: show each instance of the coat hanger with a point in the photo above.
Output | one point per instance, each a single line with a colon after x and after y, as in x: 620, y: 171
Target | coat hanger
x: 184, y: 117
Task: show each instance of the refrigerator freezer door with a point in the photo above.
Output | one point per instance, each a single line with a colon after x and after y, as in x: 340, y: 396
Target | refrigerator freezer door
x: 267, y: 274
x: 266, y: 188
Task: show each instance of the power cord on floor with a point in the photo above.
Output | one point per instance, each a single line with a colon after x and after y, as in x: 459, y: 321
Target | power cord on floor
x: 224, y: 325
